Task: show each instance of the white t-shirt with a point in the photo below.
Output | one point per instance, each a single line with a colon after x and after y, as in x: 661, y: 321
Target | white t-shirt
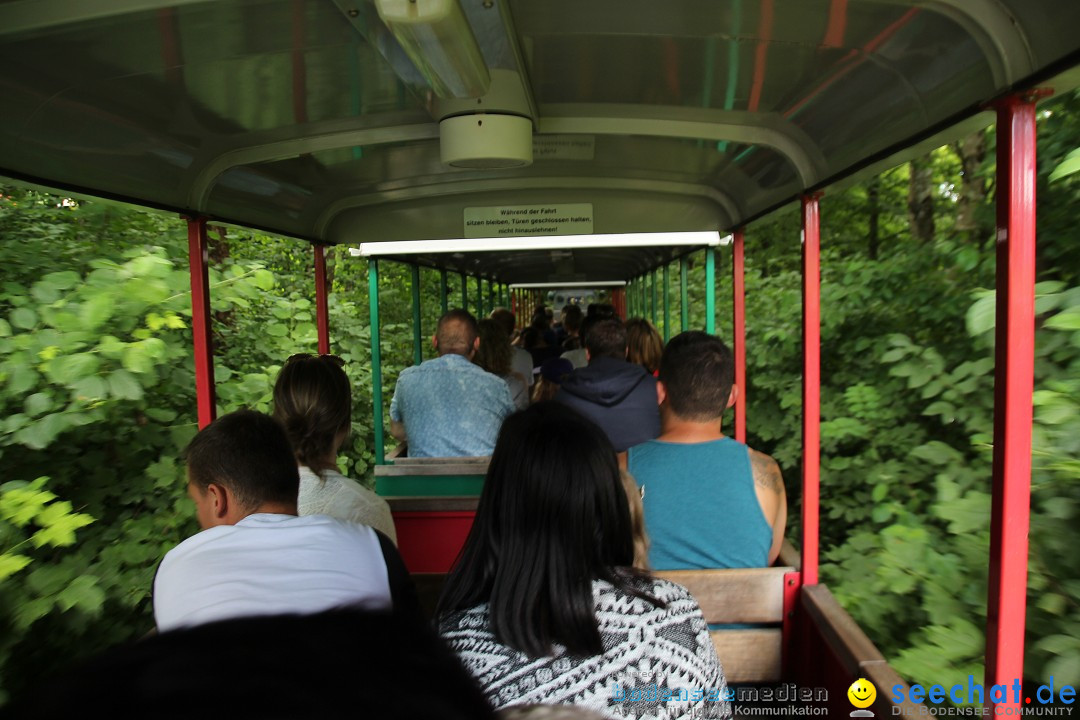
x: 331, y: 493
x: 270, y: 564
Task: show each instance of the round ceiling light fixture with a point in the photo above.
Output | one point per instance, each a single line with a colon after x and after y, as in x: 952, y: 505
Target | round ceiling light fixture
x: 486, y: 140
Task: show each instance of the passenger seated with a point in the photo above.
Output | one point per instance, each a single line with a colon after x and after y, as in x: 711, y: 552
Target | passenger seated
x: 521, y: 360
x: 313, y: 402
x: 710, y: 501
x: 571, y: 327
x: 448, y: 407
x: 544, y: 606
x: 618, y: 396
x: 255, y: 556
x: 644, y: 346
x: 496, y: 356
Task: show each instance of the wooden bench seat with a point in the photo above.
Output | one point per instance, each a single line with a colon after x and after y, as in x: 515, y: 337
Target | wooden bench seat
x: 741, y: 596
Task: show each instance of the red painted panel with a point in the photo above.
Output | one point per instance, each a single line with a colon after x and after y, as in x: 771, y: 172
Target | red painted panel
x: 429, y: 542
x: 322, y: 312
x: 200, y: 321
x: 811, y: 386
x: 1013, y: 388
x: 738, y: 304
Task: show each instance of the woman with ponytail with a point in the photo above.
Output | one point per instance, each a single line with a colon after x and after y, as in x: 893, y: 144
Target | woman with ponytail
x: 313, y: 402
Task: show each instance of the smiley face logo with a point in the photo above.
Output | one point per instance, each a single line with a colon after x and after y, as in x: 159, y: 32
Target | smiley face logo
x: 862, y: 693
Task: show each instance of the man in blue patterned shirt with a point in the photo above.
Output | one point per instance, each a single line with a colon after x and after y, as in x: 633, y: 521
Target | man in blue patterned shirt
x: 449, y: 407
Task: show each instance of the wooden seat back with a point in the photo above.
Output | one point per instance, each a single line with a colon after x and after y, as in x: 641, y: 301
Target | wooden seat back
x: 741, y: 596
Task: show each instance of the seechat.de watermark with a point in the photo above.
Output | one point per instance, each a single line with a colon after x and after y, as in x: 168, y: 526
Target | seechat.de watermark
x: 973, y: 699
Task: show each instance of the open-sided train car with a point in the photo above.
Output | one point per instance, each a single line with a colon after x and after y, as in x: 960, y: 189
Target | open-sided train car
x: 532, y: 143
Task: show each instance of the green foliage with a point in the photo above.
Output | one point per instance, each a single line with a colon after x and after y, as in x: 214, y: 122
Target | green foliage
x: 33, y: 522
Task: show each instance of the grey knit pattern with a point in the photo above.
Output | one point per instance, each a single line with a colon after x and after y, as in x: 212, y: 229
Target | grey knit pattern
x: 647, y: 650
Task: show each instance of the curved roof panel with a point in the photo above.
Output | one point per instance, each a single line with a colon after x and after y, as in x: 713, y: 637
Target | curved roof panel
x: 306, y: 117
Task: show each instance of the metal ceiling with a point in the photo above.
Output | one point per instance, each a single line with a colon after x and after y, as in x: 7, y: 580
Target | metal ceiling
x: 304, y: 117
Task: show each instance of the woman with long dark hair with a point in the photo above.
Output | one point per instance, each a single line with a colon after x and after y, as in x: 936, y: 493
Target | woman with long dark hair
x: 313, y: 402
x: 544, y: 605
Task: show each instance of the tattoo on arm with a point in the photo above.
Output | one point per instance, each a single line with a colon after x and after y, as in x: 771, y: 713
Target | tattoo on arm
x: 766, y: 472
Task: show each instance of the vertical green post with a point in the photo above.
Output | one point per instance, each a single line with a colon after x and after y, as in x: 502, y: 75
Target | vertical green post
x: 491, y: 295
x: 417, y: 331
x: 667, y: 304
x: 479, y: 297
x: 655, y: 298
x: 710, y: 290
x: 444, y: 292
x: 630, y: 299
x: 684, y: 296
x: 464, y: 291
x: 376, y: 360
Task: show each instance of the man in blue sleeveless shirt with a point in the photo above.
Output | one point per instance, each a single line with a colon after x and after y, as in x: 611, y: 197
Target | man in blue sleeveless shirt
x: 710, y: 501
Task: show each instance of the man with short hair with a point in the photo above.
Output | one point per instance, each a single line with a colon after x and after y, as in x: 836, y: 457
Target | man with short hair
x: 254, y: 555
x: 710, y: 501
x: 447, y: 406
x: 617, y: 395
x: 521, y: 360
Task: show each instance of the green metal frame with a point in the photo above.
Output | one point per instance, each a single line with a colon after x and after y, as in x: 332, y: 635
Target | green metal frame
x: 418, y: 331
x: 376, y: 361
x: 429, y: 485
x: 667, y: 303
x: 710, y: 290
x: 684, y: 295
x: 444, y: 292
x: 655, y: 297
x: 464, y: 291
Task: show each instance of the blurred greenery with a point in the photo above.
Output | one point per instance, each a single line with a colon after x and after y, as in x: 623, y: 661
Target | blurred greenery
x: 97, y: 398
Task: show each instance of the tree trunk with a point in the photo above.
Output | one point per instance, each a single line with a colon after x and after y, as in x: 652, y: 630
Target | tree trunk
x: 972, y: 152
x: 921, y: 200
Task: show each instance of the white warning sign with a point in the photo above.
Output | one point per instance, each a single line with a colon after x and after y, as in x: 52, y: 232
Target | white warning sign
x: 510, y: 220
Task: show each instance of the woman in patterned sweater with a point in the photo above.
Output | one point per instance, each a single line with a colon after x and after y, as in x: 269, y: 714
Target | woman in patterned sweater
x: 544, y: 606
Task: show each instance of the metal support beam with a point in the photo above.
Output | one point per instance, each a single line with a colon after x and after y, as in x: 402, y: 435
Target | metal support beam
x: 444, y: 292
x: 418, y: 331
x: 684, y: 295
x: 811, y: 486
x: 376, y: 362
x: 667, y: 303
x: 738, y: 331
x: 655, y: 297
x: 200, y: 321
x: 1013, y: 388
x: 479, y: 297
x: 710, y: 290
x: 322, y: 310
x: 464, y: 291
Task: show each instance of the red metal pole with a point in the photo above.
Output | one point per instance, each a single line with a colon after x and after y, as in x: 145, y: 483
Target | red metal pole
x: 738, y: 277
x: 811, y: 386
x: 322, y: 312
x: 1013, y: 388
x: 200, y: 321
